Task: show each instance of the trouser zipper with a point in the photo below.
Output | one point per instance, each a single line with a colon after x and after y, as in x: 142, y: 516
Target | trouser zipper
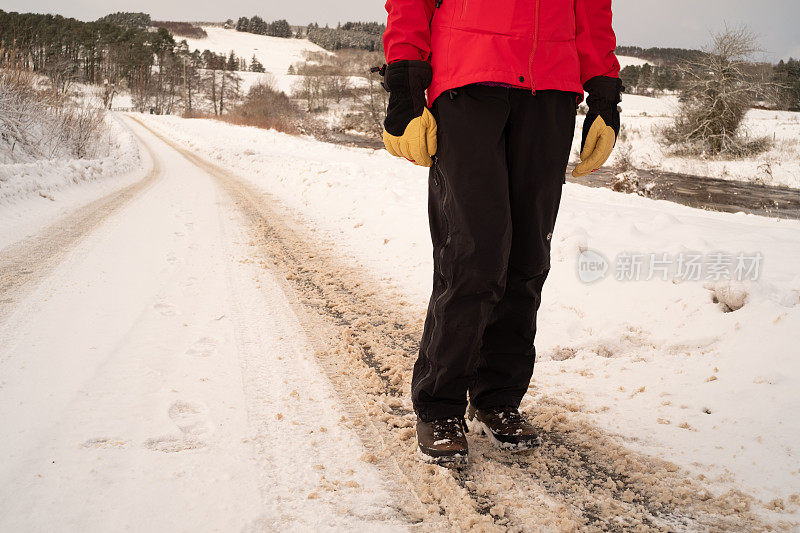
x: 439, y: 182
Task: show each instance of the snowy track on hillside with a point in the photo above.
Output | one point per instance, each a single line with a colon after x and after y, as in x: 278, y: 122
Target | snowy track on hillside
x: 366, y: 342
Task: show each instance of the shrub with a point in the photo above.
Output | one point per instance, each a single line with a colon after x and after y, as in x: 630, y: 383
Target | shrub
x: 36, y: 123
x: 266, y: 107
x: 718, y: 89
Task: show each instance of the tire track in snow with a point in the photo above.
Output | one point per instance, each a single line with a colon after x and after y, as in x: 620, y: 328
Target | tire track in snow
x: 25, y: 264
x: 579, y: 479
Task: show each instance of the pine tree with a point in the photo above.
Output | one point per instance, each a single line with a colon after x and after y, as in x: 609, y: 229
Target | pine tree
x: 255, y: 65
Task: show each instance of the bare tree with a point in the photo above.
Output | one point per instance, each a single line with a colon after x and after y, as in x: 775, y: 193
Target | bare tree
x: 336, y: 85
x: 61, y: 72
x: 309, y: 89
x: 374, y: 107
x: 717, y: 90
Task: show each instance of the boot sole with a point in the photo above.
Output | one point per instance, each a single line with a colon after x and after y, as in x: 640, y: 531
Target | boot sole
x: 456, y: 461
x: 479, y: 428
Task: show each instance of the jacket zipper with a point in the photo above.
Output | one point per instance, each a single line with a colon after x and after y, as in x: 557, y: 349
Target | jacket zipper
x: 535, y: 45
x: 438, y: 181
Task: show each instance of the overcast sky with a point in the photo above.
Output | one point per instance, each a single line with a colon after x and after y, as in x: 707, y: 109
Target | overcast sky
x: 681, y: 23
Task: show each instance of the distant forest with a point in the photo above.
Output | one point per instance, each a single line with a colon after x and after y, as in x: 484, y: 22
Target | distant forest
x: 181, y: 29
x: 360, y: 35
x: 119, y: 51
x: 257, y: 25
x: 659, y: 56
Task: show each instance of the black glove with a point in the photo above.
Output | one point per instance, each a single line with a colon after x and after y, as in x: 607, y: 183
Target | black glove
x: 601, y: 126
x: 409, y: 128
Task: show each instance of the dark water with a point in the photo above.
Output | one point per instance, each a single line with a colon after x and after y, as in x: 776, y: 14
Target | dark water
x: 707, y: 193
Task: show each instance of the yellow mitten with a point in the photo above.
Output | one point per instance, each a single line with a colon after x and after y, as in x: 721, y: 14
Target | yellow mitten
x: 418, y: 141
x: 409, y: 129
x: 601, y: 126
x: 597, y: 148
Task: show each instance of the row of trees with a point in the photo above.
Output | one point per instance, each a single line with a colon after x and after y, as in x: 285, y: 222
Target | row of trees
x: 181, y: 29
x: 786, y: 75
x: 257, y: 25
x: 359, y: 35
x: 642, y: 79
x: 660, y: 56
x: 665, y: 72
x: 128, y: 20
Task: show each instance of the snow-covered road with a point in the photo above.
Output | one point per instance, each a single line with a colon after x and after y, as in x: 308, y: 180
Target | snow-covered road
x: 199, y: 353
x: 155, y: 380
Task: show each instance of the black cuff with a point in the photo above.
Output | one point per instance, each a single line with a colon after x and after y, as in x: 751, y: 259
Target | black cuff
x: 604, y: 93
x: 406, y: 81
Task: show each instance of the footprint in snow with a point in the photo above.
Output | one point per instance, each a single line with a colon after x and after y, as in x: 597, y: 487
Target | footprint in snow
x: 173, y: 444
x: 165, y: 309
x: 192, y: 420
x: 103, y: 442
x: 190, y: 417
x: 203, y: 347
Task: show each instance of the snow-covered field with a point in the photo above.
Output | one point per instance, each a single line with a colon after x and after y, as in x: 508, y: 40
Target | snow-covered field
x: 656, y: 362
x: 275, y: 53
x: 644, y: 116
x: 625, y: 61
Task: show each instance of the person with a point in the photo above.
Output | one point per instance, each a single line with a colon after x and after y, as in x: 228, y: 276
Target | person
x: 503, y: 79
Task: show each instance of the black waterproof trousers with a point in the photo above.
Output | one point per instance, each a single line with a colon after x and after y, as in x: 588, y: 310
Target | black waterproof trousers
x: 494, y: 191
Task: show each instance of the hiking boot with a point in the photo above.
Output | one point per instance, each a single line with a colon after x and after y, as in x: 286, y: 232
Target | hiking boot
x: 505, y: 427
x: 442, y: 442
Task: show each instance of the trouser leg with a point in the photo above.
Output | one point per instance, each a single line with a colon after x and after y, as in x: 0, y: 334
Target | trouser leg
x: 470, y: 221
x: 538, y: 140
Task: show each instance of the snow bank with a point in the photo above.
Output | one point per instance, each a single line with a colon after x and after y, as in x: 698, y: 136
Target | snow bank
x: 49, y: 177
x: 657, y: 362
x: 36, y: 193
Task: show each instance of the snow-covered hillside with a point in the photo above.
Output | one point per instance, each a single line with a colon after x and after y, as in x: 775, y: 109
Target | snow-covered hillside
x: 656, y: 362
x: 275, y: 53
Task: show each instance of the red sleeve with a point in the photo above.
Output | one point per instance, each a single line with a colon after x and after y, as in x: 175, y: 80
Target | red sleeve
x: 595, y: 39
x: 408, y: 30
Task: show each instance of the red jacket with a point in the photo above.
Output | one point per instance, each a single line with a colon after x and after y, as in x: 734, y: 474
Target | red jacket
x: 536, y: 44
